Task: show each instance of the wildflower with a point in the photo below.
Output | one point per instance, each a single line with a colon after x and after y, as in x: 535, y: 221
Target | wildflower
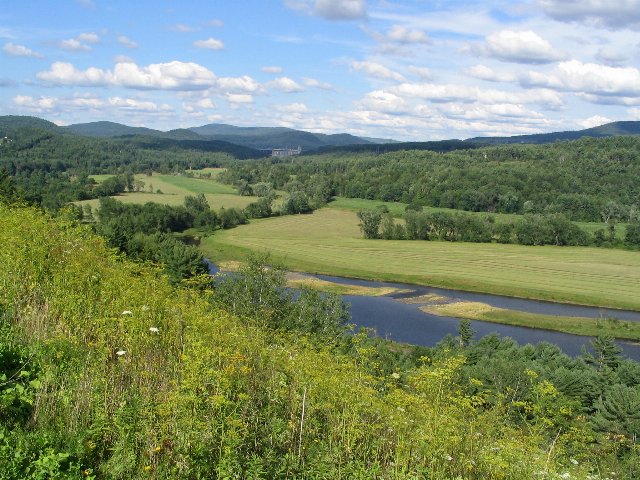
x: 395, y: 375
x: 157, y: 449
x: 145, y: 308
x: 154, y: 329
x: 565, y: 475
x: 127, y: 312
x: 574, y: 461
x: 121, y: 352
x: 147, y: 468
x: 448, y: 458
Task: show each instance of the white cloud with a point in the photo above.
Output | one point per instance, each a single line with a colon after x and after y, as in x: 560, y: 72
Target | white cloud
x: 202, y: 104
x: 244, y: 84
x: 376, y: 70
x: 160, y: 76
x: 421, y: 72
x: 314, y: 83
x: 613, y: 14
x: 594, y: 121
x: 589, y: 78
x: 182, y: 28
x: 73, y: 44
x: 239, y: 98
x: 15, y: 50
x: 293, y: 108
x: 89, y: 37
x: 331, y: 9
x: 382, y: 101
x: 127, y: 42
x: 44, y: 104
x: 520, y: 47
x: 401, y: 34
x: 286, y: 85
x: 634, y: 113
x: 210, y: 43
x: 611, y: 56
x: 483, y: 72
x: 272, y: 69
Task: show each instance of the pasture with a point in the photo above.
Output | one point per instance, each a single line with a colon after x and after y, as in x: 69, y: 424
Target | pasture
x: 329, y: 241
x: 175, y: 188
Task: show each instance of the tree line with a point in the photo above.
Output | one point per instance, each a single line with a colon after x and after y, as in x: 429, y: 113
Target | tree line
x: 586, y: 180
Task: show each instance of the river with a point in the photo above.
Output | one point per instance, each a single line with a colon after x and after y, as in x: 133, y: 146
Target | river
x: 405, y: 322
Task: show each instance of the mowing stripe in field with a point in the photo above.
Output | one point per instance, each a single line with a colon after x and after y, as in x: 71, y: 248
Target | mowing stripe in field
x: 329, y: 241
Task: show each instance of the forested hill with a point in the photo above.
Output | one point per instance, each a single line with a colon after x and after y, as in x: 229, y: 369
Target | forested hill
x: 608, y: 130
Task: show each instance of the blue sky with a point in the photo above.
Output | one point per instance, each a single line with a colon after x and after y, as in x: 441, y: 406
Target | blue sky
x: 408, y: 70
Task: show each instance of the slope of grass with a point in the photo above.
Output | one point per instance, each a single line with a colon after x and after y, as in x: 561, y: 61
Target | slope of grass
x: 130, y: 378
x: 329, y: 241
x: 175, y: 188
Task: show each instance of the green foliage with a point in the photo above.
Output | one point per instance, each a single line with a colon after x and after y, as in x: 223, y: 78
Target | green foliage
x: 141, y: 379
x: 370, y: 223
x: 296, y: 202
x: 592, y: 177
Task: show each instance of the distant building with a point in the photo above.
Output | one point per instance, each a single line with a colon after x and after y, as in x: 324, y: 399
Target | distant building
x: 286, y: 152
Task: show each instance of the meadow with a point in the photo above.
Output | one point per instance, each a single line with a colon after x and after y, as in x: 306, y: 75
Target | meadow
x: 329, y: 241
x: 175, y: 188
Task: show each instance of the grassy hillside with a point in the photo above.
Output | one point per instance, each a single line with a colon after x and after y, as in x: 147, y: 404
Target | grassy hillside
x: 329, y: 241
x: 114, y: 374
x: 175, y: 188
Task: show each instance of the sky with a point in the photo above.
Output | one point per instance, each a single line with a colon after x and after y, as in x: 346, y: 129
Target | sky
x: 413, y: 70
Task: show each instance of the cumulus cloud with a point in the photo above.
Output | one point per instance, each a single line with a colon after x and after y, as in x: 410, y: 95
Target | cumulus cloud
x: 376, y: 70
x: 80, y: 43
x: 293, y: 108
x: 421, y: 72
x: 272, y: 69
x: 244, y: 84
x: 594, y: 121
x: 286, y: 85
x: 401, y: 34
x: 15, y: 50
x: 331, y: 9
x: 483, y: 72
x: 210, y: 43
x: 182, y: 28
x: 239, y: 98
x: 613, y: 14
x: 314, y: 83
x: 382, y: 101
x: 160, y: 76
x: 520, y: 47
x: 202, y: 104
x: 44, y: 104
x: 127, y: 42
x: 588, y: 78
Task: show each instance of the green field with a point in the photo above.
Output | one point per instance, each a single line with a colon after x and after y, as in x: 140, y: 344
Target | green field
x: 329, y: 241
x: 397, y: 209
x: 175, y: 188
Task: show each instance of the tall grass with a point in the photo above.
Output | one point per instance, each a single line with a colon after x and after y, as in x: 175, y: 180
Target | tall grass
x: 142, y: 380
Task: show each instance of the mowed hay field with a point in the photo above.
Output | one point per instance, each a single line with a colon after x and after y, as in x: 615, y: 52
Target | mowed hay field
x: 175, y: 188
x: 329, y: 241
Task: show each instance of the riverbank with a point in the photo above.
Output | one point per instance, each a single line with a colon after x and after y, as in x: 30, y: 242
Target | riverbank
x: 329, y: 242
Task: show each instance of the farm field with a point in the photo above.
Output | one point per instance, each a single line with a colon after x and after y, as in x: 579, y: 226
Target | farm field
x: 329, y: 241
x: 175, y: 188
x: 397, y: 209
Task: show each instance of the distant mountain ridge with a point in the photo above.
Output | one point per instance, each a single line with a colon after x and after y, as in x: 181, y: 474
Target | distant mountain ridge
x: 612, y: 129
x: 264, y: 138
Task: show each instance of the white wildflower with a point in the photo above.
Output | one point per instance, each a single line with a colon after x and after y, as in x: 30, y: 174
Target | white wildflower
x: 145, y: 308
x: 448, y: 458
x: 121, y: 352
x: 574, y: 461
x: 154, y: 329
x: 127, y: 312
x: 565, y: 475
x: 395, y: 375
